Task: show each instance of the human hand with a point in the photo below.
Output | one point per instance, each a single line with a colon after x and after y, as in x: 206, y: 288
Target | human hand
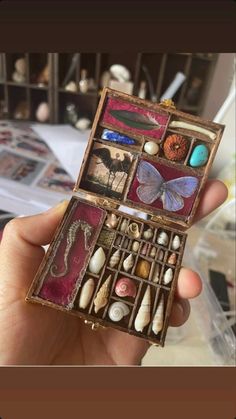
x: 37, y: 335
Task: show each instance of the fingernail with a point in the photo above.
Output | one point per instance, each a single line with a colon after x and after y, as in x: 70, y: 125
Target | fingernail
x: 61, y: 206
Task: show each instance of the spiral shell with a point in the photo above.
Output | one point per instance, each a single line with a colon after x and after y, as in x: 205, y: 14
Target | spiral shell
x: 133, y: 230
x: 86, y: 293
x: 128, y: 263
x: 117, y: 311
x: 143, y: 317
x: 111, y: 221
x: 157, y: 323
x: 124, y: 225
x: 148, y: 234
x: 115, y: 258
x: 125, y: 287
x: 175, y: 243
x: 102, y: 295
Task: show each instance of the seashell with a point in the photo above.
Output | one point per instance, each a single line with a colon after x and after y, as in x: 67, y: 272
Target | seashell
x: 111, y: 221
x: 148, y: 234
x: 102, y: 295
x: 118, y: 240
x: 115, y: 258
x: 175, y: 243
x: 142, y: 269
x: 125, y: 287
x: 155, y: 276
x: 86, y: 293
x: 125, y: 243
x: 42, y: 112
x: 151, y: 148
x: 117, y: 311
x: 143, y: 317
x: 144, y: 249
x: 133, y: 230
x: 135, y: 246
x: 71, y: 87
x: 168, y: 276
x: 160, y: 255
x: 158, y: 319
x: 153, y: 252
x: 163, y: 238
x: 124, y: 225
x: 97, y: 261
x: 128, y: 263
x: 172, y: 259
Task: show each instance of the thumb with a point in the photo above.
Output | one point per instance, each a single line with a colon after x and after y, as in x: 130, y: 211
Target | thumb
x: 21, y: 251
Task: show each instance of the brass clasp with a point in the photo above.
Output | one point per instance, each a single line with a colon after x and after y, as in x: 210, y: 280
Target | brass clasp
x: 94, y: 326
x: 167, y: 103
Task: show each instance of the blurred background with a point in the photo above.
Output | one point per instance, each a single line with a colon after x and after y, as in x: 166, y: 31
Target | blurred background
x: 47, y: 105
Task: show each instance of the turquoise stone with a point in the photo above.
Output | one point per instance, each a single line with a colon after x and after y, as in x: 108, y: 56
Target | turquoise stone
x: 199, y: 156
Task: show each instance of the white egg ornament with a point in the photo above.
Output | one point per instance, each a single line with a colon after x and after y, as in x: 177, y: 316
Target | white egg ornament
x: 151, y: 148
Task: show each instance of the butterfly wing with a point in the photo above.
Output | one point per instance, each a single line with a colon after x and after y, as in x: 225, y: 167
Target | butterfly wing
x: 150, y: 183
x: 175, y: 189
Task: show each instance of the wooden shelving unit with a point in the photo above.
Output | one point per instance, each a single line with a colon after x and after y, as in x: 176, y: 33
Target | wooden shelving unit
x: 162, y: 68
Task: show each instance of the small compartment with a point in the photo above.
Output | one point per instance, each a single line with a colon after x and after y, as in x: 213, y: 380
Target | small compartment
x: 40, y: 107
x: 112, y: 220
x: 172, y: 258
x: 156, y: 272
x: 118, y: 312
x: 39, y: 72
x: 98, y: 260
x: 18, y: 103
x: 85, y: 293
x: 106, y: 135
x: 128, y: 263
x: 118, y: 240
x: 142, y: 312
x: 16, y: 65
x: 158, y: 315
x: 115, y: 258
x: 106, y: 238
x: 148, y: 233
x: 175, y: 147
x: 102, y: 294
x: 167, y: 276
x: 72, y: 107
x: 163, y: 238
x: 142, y: 268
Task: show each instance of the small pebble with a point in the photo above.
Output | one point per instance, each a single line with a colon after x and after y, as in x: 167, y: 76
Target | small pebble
x: 151, y: 148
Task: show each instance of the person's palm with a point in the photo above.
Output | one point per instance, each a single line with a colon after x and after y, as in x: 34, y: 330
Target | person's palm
x: 37, y: 335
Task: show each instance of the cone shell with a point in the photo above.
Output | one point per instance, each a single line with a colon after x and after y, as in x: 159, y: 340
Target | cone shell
x: 115, y: 258
x: 135, y: 246
x: 168, y: 276
x: 163, y: 238
x: 153, y: 252
x: 124, y: 225
x: 102, y: 295
x: 158, y: 319
x: 175, y: 243
x: 142, y: 269
x: 86, y: 293
x: 128, y: 263
x: 143, y: 317
x: 172, y: 259
x: 125, y: 287
x: 117, y: 311
x: 111, y: 221
x: 148, y: 234
x: 133, y: 230
x: 97, y: 261
x: 155, y: 276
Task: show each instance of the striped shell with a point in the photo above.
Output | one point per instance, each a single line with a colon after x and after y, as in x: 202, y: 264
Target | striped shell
x: 128, y: 263
x: 114, y: 260
x: 125, y: 287
x: 117, y: 311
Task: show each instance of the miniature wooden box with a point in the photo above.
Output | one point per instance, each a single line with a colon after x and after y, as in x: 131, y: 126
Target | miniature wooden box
x: 113, y: 268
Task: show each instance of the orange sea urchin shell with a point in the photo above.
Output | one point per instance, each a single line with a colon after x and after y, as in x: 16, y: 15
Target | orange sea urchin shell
x: 175, y: 147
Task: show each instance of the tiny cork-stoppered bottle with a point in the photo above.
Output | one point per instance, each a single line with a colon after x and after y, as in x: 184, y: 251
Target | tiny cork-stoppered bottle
x: 105, y: 264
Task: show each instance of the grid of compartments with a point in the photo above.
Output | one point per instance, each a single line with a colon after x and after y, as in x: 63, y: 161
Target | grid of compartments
x: 133, y: 287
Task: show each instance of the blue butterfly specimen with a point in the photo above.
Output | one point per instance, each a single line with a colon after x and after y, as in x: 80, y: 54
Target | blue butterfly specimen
x: 171, y: 193
x: 116, y: 137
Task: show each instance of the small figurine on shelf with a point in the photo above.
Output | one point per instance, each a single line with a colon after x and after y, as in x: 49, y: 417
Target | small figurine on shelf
x: 22, y: 110
x: 19, y: 75
x: 71, y: 87
x: 83, y: 83
x: 43, y: 77
x: 71, y: 114
x: 42, y: 112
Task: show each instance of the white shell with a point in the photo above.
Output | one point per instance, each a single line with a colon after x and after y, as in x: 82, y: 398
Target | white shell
x: 168, y: 276
x: 157, y: 323
x: 143, y: 317
x: 71, y: 87
x: 97, y: 261
x: 163, y: 238
x: 175, y: 243
x: 117, y: 311
x: 20, y: 66
x: 128, y: 263
x: 86, y: 293
x: 120, y: 73
x: 82, y: 124
x: 115, y: 258
x: 135, y: 246
x: 148, y: 234
x: 153, y: 252
x: 155, y: 276
x: 151, y: 148
x: 42, y: 112
x: 124, y: 225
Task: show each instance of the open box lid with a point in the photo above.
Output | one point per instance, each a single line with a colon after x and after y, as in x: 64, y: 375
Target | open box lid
x: 118, y: 169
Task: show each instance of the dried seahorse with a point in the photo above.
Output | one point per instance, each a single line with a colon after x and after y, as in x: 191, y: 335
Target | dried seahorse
x: 71, y: 236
